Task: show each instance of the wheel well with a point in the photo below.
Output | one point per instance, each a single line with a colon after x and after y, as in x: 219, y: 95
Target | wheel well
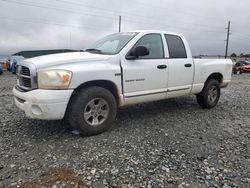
x: 101, y: 83
x: 216, y: 76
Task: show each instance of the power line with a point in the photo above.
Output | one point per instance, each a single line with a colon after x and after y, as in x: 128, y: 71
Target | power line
x: 125, y: 13
x: 100, y: 16
x: 106, y: 10
x: 87, y: 5
x: 85, y: 26
x: 47, y: 22
x: 179, y: 12
x: 57, y: 9
x: 167, y: 25
x: 244, y: 36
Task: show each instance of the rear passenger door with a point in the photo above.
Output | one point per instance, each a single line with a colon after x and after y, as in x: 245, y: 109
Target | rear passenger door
x: 180, y: 67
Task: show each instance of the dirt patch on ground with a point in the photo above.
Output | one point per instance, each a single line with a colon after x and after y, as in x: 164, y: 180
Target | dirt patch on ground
x: 55, y: 178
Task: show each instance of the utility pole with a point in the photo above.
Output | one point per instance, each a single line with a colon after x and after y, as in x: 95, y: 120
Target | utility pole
x: 120, y: 23
x: 70, y: 39
x: 228, y: 33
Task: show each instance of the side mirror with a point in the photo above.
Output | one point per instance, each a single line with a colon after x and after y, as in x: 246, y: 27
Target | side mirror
x: 137, y: 52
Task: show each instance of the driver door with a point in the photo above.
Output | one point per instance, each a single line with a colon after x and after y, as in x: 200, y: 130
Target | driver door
x: 145, y: 78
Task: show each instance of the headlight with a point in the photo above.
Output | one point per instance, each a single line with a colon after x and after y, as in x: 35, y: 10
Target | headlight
x: 54, y: 79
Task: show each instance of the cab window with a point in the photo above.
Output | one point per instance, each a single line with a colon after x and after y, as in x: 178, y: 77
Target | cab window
x: 154, y: 44
x: 176, y: 46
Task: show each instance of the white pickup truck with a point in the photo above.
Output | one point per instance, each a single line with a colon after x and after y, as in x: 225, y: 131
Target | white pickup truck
x: 86, y: 88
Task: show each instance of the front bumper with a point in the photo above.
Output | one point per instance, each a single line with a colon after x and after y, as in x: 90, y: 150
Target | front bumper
x: 43, y: 104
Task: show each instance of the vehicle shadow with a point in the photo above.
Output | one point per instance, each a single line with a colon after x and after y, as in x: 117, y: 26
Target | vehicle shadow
x: 45, y: 129
x: 126, y: 117
x: 153, y: 109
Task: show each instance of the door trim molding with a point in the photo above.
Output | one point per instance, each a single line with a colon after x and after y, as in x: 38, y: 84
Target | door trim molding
x: 144, y: 93
x: 180, y: 89
x: 154, y: 92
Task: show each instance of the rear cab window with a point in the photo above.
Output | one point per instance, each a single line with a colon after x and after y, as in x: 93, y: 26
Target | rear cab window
x: 176, y: 46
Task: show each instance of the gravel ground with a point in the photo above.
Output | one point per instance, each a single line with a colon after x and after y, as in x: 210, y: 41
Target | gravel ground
x: 161, y: 144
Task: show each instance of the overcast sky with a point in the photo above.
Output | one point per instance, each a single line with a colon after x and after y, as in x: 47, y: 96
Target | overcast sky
x: 57, y: 24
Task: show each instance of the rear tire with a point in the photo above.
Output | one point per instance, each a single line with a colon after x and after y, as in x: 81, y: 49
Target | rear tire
x: 91, y: 111
x: 210, y: 95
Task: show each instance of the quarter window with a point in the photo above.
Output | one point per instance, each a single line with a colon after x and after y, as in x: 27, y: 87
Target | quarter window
x: 175, y: 46
x: 154, y: 44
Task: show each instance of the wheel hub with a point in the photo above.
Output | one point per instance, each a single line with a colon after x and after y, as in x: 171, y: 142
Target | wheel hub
x: 212, y: 94
x: 96, y: 111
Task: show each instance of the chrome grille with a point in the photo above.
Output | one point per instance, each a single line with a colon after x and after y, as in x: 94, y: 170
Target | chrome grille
x: 26, y: 77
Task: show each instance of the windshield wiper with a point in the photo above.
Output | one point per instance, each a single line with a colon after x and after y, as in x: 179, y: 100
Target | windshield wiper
x: 94, y: 50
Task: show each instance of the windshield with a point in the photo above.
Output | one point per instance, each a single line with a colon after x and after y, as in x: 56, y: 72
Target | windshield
x: 111, y: 44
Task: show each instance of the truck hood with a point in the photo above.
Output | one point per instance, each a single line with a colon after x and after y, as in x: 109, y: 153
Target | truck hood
x: 65, y: 58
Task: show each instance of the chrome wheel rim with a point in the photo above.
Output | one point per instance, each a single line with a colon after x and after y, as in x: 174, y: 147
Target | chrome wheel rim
x: 96, y: 111
x: 212, y: 94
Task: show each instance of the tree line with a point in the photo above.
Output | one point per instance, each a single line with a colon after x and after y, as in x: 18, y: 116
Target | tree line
x: 240, y: 55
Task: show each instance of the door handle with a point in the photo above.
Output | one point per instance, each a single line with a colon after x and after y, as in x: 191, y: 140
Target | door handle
x: 188, y: 65
x: 162, y: 66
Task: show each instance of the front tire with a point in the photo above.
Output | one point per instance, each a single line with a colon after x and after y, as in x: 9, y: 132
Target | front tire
x: 210, y: 95
x: 92, y: 110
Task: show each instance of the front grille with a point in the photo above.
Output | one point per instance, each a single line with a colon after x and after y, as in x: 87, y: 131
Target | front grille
x: 25, y: 71
x: 26, y: 77
x: 26, y: 82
